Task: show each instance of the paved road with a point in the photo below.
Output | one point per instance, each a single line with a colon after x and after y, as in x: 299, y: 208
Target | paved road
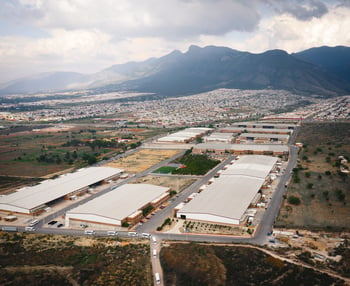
x: 102, y: 192
x: 157, y: 219
x: 260, y: 236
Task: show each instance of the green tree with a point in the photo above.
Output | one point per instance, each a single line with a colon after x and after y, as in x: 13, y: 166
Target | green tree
x: 293, y: 200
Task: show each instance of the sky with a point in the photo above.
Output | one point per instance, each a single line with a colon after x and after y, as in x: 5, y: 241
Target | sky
x: 87, y: 36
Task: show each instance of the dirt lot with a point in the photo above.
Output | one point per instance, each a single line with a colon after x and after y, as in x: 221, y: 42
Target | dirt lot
x: 324, y: 191
x: 176, y: 184
x: 142, y: 160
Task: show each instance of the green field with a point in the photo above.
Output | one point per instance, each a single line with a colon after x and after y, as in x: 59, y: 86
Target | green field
x: 165, y: 170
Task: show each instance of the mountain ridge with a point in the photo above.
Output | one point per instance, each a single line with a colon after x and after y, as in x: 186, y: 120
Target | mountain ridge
x: 316, y: 71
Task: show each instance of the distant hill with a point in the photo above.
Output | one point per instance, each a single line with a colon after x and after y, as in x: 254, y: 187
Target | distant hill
x: 318, y: 71
x: 42, y: 82
x: 203, y: 69
x: 335, y: 60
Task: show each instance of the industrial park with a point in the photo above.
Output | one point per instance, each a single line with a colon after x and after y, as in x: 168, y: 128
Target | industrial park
x: 144, y: 194
x: 114, y: 202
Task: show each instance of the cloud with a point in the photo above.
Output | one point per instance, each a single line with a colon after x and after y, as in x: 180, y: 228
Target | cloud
x: 286, y: 32
x: 88, y: 35
x: 132, y: 18
x: 301, y: 9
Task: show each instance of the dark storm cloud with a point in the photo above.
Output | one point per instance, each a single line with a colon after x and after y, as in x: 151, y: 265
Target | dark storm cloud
x: 303, y: 10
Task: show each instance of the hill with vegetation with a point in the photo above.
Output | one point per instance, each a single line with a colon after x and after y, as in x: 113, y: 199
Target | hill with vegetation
x: 193, y: 264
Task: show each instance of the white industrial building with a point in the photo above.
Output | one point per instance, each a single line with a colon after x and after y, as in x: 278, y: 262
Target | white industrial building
x: 231, y: 129
x: 264, y: 125
x: 184, y: 136
x: 226, y: 199
x: 238, y: 149
x: 219, y: 137
x: 123, y: 204
x: 263, y: 138
x: 35, y: 198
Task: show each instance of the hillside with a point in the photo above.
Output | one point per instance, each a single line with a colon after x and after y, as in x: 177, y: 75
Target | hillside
x: 332, y: 59
x: 209, y: 68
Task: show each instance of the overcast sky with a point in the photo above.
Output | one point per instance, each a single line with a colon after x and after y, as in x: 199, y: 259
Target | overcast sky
x: 89, y: 35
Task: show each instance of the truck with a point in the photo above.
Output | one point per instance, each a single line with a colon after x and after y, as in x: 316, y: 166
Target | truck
x: 89, y: 232
x: 145, y: 235
x: 33, y: 222
x: 112, y: 233
x: 154, y: 240
x: 29, y: 228
x: 154, y: 253
x: 9, y: 228
x: 157, y: 276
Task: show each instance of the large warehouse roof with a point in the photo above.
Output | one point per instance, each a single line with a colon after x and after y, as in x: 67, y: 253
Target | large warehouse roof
x: 228, y: 197
x: 255, y: 130
x: 265, y: 125
x: 260, y: 135
x: 29, y: 198
x: 120, y: 202
x: 218, y: 136
x: 242, y: 147
x: 252, y: 166
x: 184, y: 135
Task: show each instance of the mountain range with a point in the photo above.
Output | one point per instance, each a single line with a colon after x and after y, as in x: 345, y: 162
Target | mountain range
x: 323, y: 71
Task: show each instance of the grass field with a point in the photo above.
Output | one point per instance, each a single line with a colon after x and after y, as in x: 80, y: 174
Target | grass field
x: 165, y: 170
x: 323, y: 191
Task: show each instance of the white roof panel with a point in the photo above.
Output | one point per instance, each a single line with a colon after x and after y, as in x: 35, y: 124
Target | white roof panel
x: 121, y: 202
x: 230, y: 195
x: 49, y: 190
x: 242, y: 147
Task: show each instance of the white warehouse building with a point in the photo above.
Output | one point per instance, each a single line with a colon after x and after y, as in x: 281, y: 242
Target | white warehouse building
x: 228, y: 197
x: 123, y: 204
x: 29, y: 200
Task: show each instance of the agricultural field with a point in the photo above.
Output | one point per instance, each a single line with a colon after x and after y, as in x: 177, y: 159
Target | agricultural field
x: 45, y: 152
x: 194, y: 264
x: 165, y: 170
x: 28, y: 259
x: 142, y: 160
x: 7, y: 184
x: 194, y: 164
x: 318, y: 196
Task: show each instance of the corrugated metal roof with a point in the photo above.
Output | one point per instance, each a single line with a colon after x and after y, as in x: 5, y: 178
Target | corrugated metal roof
x: 183, y: 135
x: 242, y: 147
x: 122, y: 201
x: 262, y: 130
x: 49, y: 190
x: 230, y: 195
x: 265, y: 135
